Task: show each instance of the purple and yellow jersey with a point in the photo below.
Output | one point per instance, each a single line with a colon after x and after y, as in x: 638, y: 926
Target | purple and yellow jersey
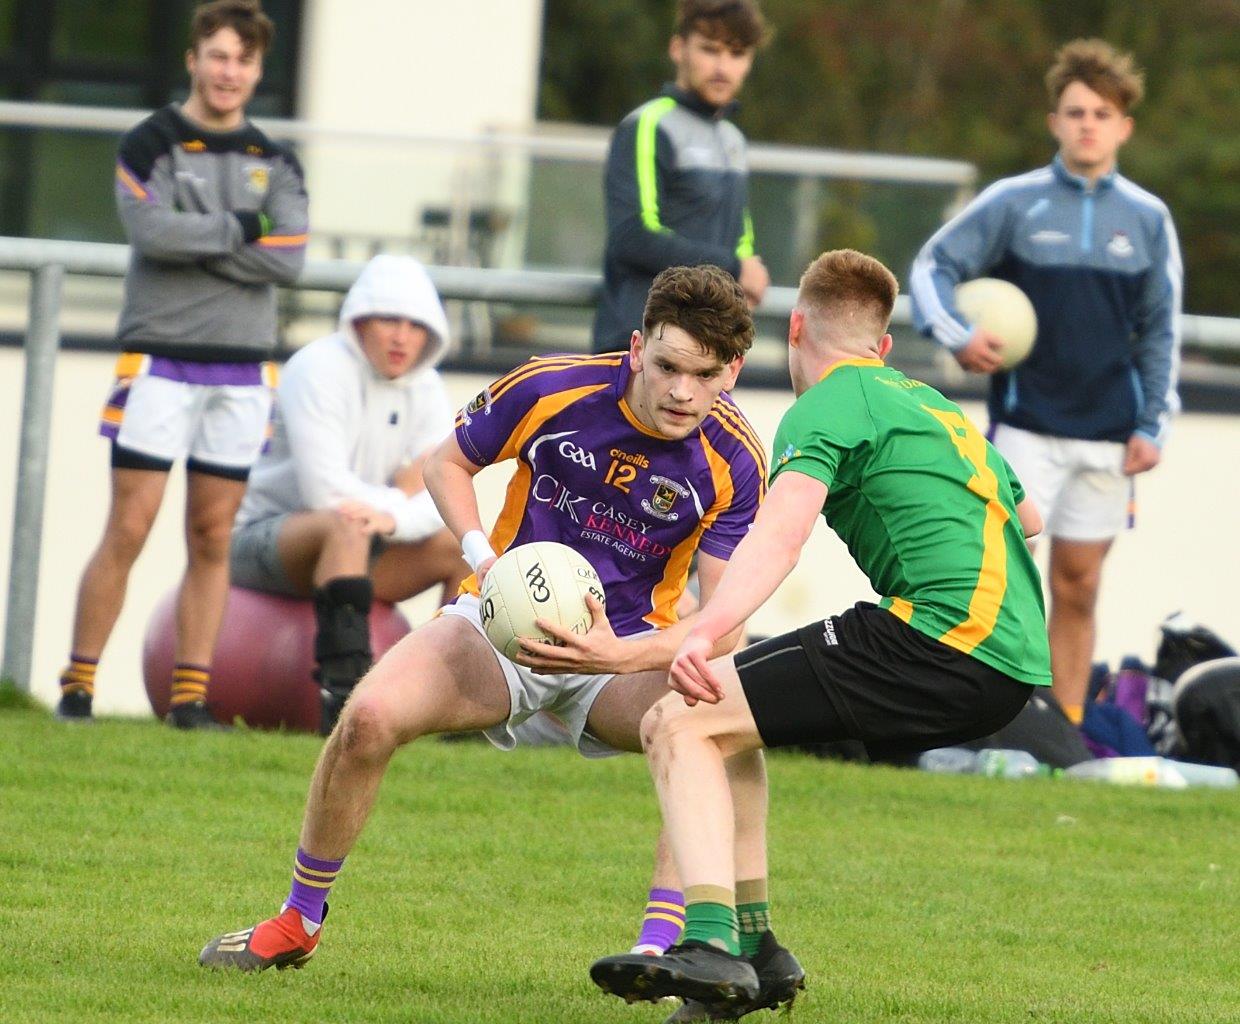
x: 592, y: 476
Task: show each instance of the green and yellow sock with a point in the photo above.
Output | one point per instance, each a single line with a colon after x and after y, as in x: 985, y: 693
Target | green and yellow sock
x: 79, y: 675
x: 189, y: 683
x: 753, y: 913
x: 710, y: 917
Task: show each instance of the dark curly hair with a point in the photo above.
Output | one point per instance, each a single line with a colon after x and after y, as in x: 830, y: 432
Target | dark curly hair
x: 730, y: 21
x: 245, y: 17
x: 1112, y: 75
x: 706, y: 303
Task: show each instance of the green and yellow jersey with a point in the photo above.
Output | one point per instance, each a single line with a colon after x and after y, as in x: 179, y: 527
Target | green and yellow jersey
x: 927, y: 508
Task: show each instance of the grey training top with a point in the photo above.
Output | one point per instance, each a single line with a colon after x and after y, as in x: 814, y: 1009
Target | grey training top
x: 204, y: 264
x: 676, y: 184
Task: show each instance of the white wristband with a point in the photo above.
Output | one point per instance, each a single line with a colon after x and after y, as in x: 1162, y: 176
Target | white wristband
x: 476, y: 548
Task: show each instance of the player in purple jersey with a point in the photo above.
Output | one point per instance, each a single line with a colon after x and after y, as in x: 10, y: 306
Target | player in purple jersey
x: 635, y: 459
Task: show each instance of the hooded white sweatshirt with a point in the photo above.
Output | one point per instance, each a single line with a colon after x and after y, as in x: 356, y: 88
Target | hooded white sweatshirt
x: 341, y: 429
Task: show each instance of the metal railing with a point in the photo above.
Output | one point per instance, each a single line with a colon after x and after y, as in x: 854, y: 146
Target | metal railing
x: 562, y: 142
x: 472, y: 197
x: 49, y: 261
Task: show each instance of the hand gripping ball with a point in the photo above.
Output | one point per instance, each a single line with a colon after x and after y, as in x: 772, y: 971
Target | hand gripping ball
x: 543, y: 580
x: 1002, y: 309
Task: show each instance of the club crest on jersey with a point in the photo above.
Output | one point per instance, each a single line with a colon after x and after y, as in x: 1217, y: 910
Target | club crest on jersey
x: 790, y: 453
x: 482, y: 400
x: 257, y: 178
x: 1120, y: 246
x: 665, y: 494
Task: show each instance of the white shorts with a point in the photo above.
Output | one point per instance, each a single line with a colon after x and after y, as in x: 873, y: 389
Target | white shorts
x: 568, y: 697
x: 1078, y: 486
x: 215, y: 414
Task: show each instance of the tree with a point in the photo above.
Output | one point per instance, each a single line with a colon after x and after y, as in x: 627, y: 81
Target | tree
x: 949, y: 78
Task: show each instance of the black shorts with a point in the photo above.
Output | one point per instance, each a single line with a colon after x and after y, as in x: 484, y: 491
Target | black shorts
x: 866, y: 675
x: 128, y: 458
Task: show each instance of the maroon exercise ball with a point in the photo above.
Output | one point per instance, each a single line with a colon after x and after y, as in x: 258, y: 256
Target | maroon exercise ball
x: 264, y: 659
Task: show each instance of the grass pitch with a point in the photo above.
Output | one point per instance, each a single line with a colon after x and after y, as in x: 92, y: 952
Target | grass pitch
x: 486, y: 883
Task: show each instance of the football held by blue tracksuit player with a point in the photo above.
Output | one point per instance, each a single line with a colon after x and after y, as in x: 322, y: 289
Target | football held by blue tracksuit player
x: 1090, y: 408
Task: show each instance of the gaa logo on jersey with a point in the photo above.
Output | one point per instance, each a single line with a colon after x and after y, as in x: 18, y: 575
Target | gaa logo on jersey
x: 1120, y: 246
x: 575, y: 453
x: 790, y: 453
x: 257, y: 178
x: 665, y: 494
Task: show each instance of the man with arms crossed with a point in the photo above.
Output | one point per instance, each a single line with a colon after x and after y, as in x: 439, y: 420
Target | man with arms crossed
x: 1089, y: 409
x: 216, y: 216
x: 676, y: 181
x: 336, y: 507
x: 937, y: 521
x: 635, y: 459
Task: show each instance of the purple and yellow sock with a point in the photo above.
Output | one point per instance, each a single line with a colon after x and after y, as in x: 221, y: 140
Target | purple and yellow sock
x: 79, y: 675
x: 189, y: 683
x: 753, y: 913
x: 710, y: 917
x: 312, y: 880
x: 663, y: 923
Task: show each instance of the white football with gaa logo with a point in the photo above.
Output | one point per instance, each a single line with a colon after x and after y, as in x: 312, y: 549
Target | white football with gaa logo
x: 543, y: 580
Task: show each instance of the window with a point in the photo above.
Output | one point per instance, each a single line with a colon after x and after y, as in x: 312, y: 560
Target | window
x: 111, y: 53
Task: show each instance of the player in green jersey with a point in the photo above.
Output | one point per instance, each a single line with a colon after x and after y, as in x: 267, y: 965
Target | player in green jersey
x: 937, y: 521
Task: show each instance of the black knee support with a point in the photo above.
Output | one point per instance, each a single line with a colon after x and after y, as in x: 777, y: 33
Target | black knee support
x: 342, y: 643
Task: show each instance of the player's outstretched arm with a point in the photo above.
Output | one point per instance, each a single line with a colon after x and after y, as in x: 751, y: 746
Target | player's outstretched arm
x: 596, y: 650
x: 600, y: 650
x: 449, y: 477
x: 759, y: 565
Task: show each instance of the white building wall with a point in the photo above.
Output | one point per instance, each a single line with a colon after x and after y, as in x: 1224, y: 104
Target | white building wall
x: 413, y: 66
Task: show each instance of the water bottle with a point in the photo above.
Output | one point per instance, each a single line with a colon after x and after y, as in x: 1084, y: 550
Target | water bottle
x: 949, y: 761
x: 1213, y: 775
x: 996, y: 763
x: 1131, y: 771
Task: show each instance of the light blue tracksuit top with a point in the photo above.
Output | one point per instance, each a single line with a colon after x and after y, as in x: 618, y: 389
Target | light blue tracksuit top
x: 1102, y: 268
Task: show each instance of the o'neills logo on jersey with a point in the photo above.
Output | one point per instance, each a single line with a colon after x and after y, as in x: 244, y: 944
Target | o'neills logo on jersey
x: 633, y: 460
x: 665, y: 494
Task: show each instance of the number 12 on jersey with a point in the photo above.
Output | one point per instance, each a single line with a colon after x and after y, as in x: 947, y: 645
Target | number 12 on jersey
x: 620, y: 474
